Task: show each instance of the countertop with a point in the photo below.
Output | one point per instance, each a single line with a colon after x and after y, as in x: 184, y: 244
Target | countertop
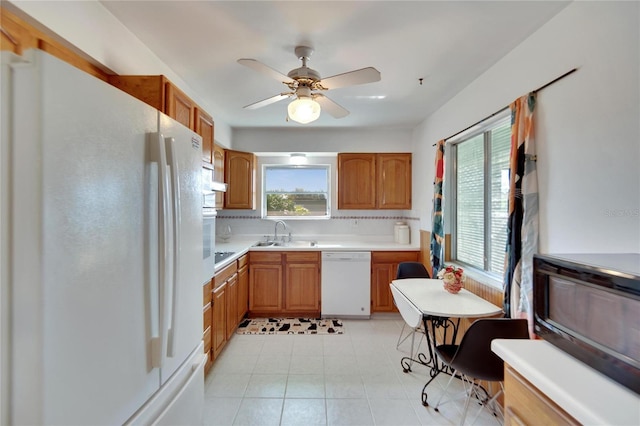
x: 243, y: 244
x: 586, y: 394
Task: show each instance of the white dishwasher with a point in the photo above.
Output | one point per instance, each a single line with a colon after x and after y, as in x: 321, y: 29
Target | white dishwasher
x: 346, y: 284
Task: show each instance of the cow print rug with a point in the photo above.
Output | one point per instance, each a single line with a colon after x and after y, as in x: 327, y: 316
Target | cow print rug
x: 290, y: 326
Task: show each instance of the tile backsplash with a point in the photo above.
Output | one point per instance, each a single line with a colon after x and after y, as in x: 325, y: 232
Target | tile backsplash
x: 370, y: 226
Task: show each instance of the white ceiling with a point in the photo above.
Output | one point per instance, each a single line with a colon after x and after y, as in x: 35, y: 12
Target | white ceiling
x: 447, y: 43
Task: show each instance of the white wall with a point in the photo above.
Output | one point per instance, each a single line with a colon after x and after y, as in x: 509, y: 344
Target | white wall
x: 323, y: 140
x: 106, y: 41
x: 587, y: 130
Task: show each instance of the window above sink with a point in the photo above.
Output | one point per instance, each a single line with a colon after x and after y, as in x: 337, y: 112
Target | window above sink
x: 296, y: 192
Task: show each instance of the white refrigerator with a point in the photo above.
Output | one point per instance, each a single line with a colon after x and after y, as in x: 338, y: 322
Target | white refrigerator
x: 101, y: 230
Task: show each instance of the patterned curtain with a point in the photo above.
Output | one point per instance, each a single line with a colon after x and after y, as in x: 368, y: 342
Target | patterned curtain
x: 522, y: 227
x: 437, y: 223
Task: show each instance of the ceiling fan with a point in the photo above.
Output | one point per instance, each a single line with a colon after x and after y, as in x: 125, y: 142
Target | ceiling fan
x: 306, y: 85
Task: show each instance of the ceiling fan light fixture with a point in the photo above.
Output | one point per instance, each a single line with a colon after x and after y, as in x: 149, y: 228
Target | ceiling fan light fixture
x: 304, y: 110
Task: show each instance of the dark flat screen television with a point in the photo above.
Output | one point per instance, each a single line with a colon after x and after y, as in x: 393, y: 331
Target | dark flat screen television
x: 589, y: 306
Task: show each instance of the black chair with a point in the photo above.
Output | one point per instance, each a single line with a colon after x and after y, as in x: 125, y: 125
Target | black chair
x: 410, y: 270
x: 473, y: 360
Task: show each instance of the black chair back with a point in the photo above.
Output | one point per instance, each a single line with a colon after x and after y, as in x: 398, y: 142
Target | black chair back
x: 411, y: 270
x: 474, y: 357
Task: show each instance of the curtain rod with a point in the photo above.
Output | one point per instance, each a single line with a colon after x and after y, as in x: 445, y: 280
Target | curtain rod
x: 501, y: 110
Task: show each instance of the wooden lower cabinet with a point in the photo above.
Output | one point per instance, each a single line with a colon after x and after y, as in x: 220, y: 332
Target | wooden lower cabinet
x: 232, y: 305
x: 219, y: 326
x: 524, y: 404
x: 207, y: 320
x: 284, y: 283
x: 302, y: 282
x: 227, y: 302
x: 265, y: 282
x: 243, y: 287
x: 384, y: 266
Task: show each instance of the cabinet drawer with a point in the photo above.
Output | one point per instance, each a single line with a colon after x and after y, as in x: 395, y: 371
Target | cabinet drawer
x: 225, y: 273
x: 394, y: 256
x: 206, y: 294
x: 243, y: 261
x: 302, y: 256
x: 266, y: 257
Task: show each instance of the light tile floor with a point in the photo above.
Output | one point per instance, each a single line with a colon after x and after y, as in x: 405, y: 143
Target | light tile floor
x: 349, y: 379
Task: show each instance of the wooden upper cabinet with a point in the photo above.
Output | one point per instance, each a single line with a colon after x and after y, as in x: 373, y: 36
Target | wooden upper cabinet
x: 179, y: 106
x: 160, y: 93
x: 150, y: 89
x: 393, y: 181
x: 239, y: 174
x: 218, y: 172
x: 374, y: 181
x: 356, y: 181
x: 205, y: 128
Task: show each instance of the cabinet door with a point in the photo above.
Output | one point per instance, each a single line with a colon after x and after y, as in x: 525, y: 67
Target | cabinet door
x: 393, y: 181
x: 384, y: 267
x: 265, y: 287
x: 204, y: 127
x: 239, y: 174
x: 219, y: 326
x: 179, y: 106
x: 356, y: 181
x: 381, y: 276
x: 243, y: 291
x: 232, y: 305
x: 302, y: 287
x: 218, y: 172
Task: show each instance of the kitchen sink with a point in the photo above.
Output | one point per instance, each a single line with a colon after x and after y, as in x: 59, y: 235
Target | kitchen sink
x: 297, y: 243
x: 269, y: 244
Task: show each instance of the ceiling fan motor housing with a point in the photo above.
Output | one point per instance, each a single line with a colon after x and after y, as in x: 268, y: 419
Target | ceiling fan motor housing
x: 304, y: 73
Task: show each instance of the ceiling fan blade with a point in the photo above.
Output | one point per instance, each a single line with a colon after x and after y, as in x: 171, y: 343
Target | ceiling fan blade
x: 265, y: 69
x: 268, y: 101
x: 330, y: 106
x: 351, y: 78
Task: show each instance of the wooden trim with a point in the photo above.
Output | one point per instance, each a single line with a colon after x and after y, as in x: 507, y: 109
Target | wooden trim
x: 447, y: 247
x: 425, y: 250
x: 26, y: 36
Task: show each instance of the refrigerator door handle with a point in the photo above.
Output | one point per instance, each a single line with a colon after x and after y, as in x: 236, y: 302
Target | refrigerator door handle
x: 176, y: 220
x: 165, y: 254
x: 154, y: 268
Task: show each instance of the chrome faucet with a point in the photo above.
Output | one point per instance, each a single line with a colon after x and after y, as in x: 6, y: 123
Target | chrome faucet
x: 275, y: 232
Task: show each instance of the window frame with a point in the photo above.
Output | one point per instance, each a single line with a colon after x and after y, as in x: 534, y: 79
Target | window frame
x: 263, y: 201
x: 482, y: 128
